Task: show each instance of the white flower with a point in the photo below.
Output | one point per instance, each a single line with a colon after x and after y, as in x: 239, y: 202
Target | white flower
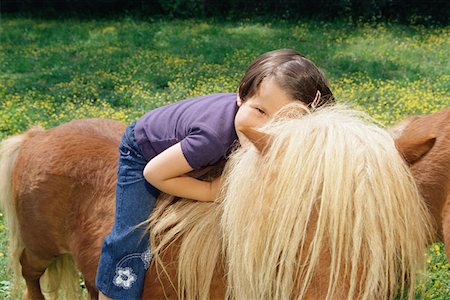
x: 124, y: 277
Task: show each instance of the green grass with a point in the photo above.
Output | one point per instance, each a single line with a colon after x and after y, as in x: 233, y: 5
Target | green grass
x: 52, y: 71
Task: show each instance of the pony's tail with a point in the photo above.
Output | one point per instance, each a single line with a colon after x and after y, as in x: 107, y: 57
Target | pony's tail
x: 61, y: 280
x: 9, y: 150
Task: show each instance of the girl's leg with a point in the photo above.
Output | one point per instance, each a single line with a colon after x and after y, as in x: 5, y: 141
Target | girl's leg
x: 125, y: 254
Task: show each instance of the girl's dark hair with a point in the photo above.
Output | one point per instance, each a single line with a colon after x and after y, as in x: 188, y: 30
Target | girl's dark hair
x: 299, y: 77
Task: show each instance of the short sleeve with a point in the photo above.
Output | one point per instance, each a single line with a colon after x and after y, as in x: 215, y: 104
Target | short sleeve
x: 202, y: 147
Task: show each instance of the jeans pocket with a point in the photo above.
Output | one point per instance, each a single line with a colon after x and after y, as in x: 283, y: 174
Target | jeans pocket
x: 124, y: 150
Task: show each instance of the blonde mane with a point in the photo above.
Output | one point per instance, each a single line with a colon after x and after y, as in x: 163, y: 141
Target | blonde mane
x: 330, y: 211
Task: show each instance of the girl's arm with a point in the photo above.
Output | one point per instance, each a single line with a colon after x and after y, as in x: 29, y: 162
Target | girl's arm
x: 167, y: 172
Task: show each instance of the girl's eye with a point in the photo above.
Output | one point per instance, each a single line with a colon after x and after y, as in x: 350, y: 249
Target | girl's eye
x: 260, y: 111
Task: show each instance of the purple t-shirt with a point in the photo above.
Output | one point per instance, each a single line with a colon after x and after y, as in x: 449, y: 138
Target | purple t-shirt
x: 204, y: 126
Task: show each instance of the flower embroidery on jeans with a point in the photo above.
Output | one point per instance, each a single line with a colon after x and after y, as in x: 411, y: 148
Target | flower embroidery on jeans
x: 124, y: 277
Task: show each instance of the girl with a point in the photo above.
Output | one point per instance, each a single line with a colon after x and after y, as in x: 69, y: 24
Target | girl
x: 159, y: 149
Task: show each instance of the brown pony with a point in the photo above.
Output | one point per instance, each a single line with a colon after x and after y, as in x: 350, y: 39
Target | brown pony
x: 425, y: 144
x: 327, y: 210
x: 62, y: 181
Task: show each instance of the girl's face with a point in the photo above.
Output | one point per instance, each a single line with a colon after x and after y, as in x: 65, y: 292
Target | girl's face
x: 258, y: 109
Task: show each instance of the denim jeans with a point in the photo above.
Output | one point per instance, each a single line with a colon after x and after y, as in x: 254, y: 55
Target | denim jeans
x: 126, y: 253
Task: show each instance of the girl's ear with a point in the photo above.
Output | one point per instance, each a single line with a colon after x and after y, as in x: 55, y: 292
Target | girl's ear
x: 259, y: 139
x: 238, y: 100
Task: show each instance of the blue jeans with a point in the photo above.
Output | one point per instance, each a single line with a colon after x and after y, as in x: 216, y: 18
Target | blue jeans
x: 126, y: 253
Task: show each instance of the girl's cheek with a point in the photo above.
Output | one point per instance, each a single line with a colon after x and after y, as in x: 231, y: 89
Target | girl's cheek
x: 247, y: 118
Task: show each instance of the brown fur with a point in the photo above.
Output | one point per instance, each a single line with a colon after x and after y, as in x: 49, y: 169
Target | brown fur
x: 64, y: 183
x: 424, y: 141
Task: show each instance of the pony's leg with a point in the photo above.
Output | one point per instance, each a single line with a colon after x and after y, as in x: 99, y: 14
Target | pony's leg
x: 92, y: 292
x: 33, y: 267
x: 446, y: 226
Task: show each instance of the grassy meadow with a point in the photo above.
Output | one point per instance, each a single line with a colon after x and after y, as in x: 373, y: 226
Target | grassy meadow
x: 53, y: 71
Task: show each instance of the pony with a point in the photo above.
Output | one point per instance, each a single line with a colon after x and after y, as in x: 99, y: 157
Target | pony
x: 320, y: 206
x: 424, y: 141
